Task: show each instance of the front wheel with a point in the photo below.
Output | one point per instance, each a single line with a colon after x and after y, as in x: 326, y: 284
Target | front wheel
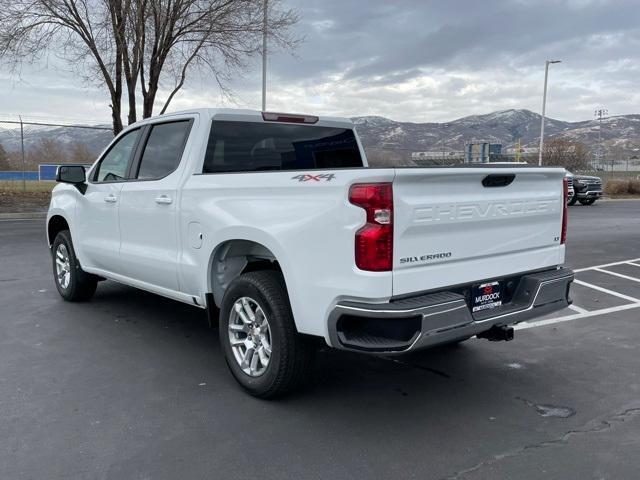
x: 587, y: 201
x: 261, y: 346
x: 73, y: 283
x: 572, y: 201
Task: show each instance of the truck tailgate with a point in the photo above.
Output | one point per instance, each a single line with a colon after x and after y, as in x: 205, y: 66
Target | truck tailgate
x: 461, y: 225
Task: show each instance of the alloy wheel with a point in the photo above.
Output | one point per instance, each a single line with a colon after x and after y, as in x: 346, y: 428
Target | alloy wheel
x: 250, y: 336
x: 63, y: 267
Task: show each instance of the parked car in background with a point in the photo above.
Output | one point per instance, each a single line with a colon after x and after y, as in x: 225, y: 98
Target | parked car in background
x: 570, y: 191
x: 587, y: 189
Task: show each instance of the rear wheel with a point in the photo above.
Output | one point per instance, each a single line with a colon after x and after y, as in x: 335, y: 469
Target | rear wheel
x: 264, y: 352
x: 587, y: 201
x: 73, y: 283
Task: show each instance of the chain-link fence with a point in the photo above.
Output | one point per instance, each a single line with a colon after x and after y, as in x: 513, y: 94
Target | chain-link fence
x: 623, y: 166
x: 31, y: 149
x: 403, y: 157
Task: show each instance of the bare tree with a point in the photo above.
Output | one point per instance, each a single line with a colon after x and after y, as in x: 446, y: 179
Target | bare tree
x: 388, y: 157
x: 150, y: 45
x: 4, y: 159
x: 79, y: 153
x: 79, y: 29
x: 215, y: 36
x: 564, y: 153
x: 46, y: 150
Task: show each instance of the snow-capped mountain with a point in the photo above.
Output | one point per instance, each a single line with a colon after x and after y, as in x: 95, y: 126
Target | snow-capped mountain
x: 506, y: 127
x: 620, y: 133
x: 95, y: 140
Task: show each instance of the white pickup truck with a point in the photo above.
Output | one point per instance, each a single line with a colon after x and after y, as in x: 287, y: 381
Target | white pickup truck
x: 275, y: 224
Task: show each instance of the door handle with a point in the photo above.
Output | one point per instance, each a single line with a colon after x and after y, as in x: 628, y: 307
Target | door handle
x: 110, y: 199
x: 163, y: 200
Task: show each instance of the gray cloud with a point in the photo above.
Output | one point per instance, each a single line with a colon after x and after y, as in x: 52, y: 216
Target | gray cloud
x: 416, y: 60
x: 380, y: 37
x: 422, y: 60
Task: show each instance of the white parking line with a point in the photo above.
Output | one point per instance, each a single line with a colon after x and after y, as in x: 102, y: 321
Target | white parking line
x: 626, y: 277
x: 581, y: 312
x: 577, y: 316
x: 578, y: 309
x: 606, y: 290
x: 607, y: 265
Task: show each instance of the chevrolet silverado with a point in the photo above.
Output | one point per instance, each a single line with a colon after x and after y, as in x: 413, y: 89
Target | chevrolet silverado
x: 275, y: 224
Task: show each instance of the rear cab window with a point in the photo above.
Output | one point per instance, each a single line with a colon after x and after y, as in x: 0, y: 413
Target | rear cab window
x: 254, y: 146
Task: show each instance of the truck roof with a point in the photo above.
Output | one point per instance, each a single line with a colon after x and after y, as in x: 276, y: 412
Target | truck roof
x: 248, y: 115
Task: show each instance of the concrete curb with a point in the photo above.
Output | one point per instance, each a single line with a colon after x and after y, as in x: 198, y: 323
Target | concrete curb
x: 23, y: 216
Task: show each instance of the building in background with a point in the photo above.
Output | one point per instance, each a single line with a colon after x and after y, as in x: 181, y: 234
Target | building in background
x: 434, y: 155
x: 482, y: 152
x: 437, y: 157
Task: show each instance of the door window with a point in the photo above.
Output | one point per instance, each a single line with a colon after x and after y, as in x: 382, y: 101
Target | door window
x: 113, y: 166
x: 163, y: 150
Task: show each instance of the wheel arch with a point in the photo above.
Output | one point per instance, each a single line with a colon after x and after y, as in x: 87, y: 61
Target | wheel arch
x: 233, y: 257
x: 56, y: 224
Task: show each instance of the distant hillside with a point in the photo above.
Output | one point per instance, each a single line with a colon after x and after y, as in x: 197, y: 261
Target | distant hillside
x: 94, y: 140
x: 621, y: 133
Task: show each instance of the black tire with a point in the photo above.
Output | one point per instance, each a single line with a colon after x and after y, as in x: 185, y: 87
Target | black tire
x: 572, y: 201
x: 587, y: 201
x: 290, y: 357
x: 81, y: 285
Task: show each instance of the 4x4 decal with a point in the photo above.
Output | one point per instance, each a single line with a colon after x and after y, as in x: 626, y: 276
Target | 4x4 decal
x: 307, y: 177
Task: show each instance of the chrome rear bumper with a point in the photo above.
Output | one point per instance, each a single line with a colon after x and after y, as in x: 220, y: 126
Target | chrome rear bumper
x: 431, y: 319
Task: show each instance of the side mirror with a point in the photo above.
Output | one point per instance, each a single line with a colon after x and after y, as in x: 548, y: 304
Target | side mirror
x: 73, y: 174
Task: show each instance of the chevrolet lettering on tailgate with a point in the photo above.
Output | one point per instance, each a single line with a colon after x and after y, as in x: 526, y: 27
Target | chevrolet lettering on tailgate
x: 472, y: 211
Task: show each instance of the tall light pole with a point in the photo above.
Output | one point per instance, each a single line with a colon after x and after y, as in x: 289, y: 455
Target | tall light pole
x: 544, y: 106
x: 443, y: 132
x: 600, y: 113
x: 264, y: 55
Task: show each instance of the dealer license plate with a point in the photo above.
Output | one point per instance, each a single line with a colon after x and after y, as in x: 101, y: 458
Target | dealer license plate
x: 486, y: 296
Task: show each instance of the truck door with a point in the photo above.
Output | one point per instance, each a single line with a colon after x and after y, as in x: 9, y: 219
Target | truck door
x: 98, y: 230
x: 148, y: 209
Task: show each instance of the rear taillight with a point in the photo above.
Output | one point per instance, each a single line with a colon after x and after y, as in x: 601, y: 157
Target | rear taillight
x: 374, y: 241
x: 565, y: 194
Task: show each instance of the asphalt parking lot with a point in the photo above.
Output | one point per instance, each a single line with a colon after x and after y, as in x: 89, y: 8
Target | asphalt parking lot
x: 133, y: 386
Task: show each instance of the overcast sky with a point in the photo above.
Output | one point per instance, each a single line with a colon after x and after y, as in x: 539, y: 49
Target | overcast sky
x: 409, y: 60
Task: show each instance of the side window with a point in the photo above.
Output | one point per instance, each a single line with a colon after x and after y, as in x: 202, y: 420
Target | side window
x: 163, y: 150
x: 113, y: 166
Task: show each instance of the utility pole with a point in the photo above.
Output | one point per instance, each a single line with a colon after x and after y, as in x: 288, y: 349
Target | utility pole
x: 264, y: 54
x: 600, y: 113
x: 24, y: 183
x: 443, y: 132
x: 544, y: 105
x: 633, y: 154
